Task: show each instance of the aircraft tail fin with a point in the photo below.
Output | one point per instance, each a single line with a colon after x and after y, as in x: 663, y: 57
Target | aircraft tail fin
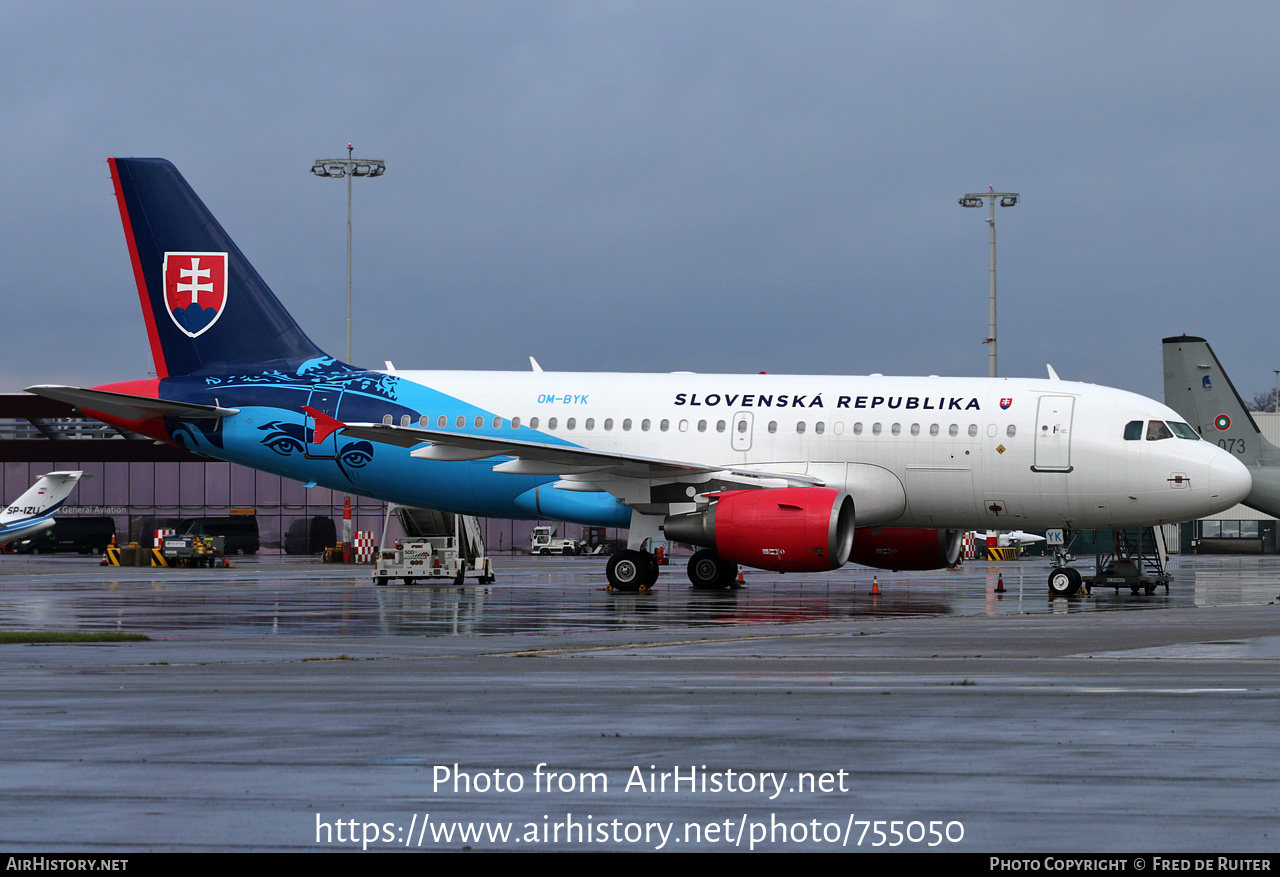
x: 1197, y: 387
x: 41, y: 501
x: 207, y: 311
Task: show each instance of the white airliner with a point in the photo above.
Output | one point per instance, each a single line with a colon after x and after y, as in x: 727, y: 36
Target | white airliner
x: 769, y: 471
x: 35, y: 509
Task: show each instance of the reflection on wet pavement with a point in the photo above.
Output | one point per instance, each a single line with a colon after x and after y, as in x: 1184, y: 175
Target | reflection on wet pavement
x: 550, y: 595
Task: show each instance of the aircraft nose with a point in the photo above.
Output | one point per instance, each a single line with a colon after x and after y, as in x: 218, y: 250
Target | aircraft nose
x: 1229, y: 480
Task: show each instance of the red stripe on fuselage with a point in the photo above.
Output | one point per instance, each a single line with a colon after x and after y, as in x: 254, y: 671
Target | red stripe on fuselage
x: 157, y: 353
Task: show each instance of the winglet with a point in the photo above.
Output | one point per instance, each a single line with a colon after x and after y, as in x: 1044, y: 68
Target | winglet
x: 325, y: 425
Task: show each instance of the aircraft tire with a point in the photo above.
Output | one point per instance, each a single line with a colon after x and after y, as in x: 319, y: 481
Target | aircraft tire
x: 1064, y: 582
x: 626, y: 570
x: 652, y: 569
x: 708, y: 570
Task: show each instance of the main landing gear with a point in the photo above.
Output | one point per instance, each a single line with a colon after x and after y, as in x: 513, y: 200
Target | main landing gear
x: 630, y: 570
x: 710, y: 571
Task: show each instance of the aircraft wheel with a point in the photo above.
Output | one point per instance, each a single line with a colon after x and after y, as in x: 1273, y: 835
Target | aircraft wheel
x: 708, y: 570
x: 1064, y: 582
x: 652, y: 569
x: 626, y: 570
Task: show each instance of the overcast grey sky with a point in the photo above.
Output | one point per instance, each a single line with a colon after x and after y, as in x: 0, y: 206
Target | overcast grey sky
x: 653, y: 186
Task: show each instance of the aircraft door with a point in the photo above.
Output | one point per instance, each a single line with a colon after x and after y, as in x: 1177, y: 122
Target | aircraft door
x: 324, y: 400
x: 1053, y: 434
x: 741, y: 435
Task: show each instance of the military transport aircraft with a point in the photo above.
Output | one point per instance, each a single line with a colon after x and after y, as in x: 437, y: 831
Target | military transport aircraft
x: 1197, y: 387
x: 769, y: 471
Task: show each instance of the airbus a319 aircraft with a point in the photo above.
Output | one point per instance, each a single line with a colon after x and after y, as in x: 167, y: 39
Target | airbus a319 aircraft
x: 769, y: 471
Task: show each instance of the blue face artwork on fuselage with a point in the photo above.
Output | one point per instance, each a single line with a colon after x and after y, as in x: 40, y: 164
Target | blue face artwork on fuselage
x: 272, y: 433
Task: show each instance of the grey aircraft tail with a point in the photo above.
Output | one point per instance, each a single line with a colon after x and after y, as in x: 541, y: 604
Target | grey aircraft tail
x: 1197, y: 387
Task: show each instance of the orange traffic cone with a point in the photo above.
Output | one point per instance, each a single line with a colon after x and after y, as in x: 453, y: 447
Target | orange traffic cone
x: 1000, y: 584
x: 875, y: 586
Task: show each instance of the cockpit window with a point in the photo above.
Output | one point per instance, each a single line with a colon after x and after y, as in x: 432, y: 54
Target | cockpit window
x: 1156, y: 430
x: 1184, y: 431
x: 1133, y: 431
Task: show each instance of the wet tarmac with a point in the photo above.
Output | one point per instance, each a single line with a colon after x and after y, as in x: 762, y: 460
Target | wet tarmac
x: 280, y: 699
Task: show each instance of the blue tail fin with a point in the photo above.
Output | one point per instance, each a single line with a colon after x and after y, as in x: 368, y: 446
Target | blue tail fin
x: 207, y: 310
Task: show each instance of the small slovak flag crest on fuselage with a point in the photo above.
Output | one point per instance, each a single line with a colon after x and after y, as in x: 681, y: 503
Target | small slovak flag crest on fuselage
x: 1005, y: 403
x: 195, y: 290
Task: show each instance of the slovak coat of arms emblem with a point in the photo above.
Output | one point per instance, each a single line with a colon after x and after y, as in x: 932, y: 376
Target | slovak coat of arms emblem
x: 195, y: 290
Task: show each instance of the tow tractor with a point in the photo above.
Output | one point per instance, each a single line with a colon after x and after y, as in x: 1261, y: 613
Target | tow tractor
x: 545, y: 541
x: 207, y: 551
x: 439, y: 545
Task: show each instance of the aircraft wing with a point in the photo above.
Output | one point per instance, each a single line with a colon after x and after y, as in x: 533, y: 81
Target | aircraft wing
x: 537, y: 458
x: 129, y: 407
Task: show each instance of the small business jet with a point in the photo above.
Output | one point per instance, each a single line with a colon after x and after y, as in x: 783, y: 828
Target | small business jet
x: 35, y: 509
x: 1197, y: 387
x: 768, y: 471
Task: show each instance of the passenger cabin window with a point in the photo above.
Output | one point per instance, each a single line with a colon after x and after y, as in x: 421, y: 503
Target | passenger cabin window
x: 1133, y: 431
x: 800, y: 427
x: 442, y: 422
x: 1156, y: 430
x: 1011, y: 431
x: 819, y: 427
x: 933, y: 429
x: 424, y: 421
x: 571, y: 423
x: 626, y: 424
x: 551, y: 423
x: 664, y: 425
x: 773, y: 426
x: 973, y: 430
x: 533, y: 423
x: 515, y: 423
x: 875, y: 429
x: 386, y: 419
x: 915, y: 429
x: 720, y: 426
x: 857, y: 428
x: 480, y: 422
x: 896, y: 429
x: 462, y: 421
x: 591, y: 423
x: 608, y: 424
x: 644, y: 425
x: 953, y: 430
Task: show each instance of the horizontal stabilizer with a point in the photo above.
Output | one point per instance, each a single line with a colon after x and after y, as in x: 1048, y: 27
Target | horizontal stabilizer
x: 128, y: 407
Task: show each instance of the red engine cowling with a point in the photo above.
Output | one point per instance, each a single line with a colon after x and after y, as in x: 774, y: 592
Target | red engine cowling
x: 789, y: 529
x: 900, y: 548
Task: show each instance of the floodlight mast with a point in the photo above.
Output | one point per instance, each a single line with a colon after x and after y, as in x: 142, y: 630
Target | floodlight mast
x: 975, y: 199
x: 349, y: 167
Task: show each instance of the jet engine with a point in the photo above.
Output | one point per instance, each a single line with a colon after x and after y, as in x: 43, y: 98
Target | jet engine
x: 787, y: 529
x: 900, y: 548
